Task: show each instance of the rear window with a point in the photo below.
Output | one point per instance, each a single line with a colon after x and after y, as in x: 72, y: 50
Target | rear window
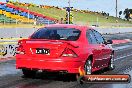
x: 69, y: 34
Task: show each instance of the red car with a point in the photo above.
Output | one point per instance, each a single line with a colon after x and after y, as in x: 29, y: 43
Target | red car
x: 64, y: 48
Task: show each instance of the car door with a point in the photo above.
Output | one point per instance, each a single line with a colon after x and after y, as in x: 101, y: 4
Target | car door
x: 105, y: 50
x: 94, y: 46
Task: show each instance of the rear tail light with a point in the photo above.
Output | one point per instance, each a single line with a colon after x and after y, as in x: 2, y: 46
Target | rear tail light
x: 69, y: 53
x: 21, y: 42
x: 20, y: 50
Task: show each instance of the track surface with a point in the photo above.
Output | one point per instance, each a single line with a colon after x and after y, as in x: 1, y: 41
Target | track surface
x: 12, y: 78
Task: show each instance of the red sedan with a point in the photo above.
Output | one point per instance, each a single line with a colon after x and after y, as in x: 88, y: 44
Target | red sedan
x: 64, y: 48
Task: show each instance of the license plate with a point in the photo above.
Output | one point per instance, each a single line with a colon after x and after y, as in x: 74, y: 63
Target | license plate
x: 42, y: 51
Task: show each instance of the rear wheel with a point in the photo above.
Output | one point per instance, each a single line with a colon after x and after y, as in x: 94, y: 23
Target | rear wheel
x: 111, y: 65
x: 29, y: 73
x: 88, y: 67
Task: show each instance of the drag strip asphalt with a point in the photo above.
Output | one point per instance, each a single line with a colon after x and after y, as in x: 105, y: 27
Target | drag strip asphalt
x: 10, y: 77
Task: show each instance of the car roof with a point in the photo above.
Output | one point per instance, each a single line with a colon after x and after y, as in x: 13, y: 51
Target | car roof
x: 80, y: 27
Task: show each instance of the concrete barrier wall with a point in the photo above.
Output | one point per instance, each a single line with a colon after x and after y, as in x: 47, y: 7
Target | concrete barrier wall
x: 16, y: 32
x: 26, y: 32
x: 113, y: 30
x: 7, y: 50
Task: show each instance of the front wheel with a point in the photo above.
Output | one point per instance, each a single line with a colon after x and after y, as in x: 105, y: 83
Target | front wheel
x: 88, y: 67
x: 111, y: 65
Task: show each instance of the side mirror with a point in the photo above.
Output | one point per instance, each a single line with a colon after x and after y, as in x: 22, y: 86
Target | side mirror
x: 109, y: 42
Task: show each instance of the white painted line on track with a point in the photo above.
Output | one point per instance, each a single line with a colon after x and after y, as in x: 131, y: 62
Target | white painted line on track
x: 123, y: 57
x: 122, y: 47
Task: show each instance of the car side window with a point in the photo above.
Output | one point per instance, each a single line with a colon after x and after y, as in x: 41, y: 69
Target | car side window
x: 99, y: 37
x: 90, y: 37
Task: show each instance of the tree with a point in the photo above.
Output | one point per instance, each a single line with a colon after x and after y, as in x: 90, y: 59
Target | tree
x: 120, y: 13
x: 127, y: 14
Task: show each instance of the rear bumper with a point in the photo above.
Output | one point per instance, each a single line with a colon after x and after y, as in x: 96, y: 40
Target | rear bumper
x: 59, y: 64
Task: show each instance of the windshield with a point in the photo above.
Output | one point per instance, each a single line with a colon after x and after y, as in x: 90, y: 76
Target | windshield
x: 69, y: 34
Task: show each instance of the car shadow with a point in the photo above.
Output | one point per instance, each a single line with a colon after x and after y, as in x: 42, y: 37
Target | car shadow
x: 55, y: 76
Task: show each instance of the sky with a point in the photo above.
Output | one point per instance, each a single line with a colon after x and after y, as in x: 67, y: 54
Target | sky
x: 93, y: 5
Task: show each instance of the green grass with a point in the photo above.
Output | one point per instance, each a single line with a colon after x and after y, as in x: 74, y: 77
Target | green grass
x: 79, y: 17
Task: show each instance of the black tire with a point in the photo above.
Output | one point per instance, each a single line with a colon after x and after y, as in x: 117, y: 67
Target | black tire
x: 88, y: 67
x: 29, y: 73
x: 111, y: 65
